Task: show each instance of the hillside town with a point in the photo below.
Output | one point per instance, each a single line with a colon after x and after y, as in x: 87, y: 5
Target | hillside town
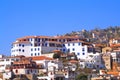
x: 61, y: 58
x: 60, y: 40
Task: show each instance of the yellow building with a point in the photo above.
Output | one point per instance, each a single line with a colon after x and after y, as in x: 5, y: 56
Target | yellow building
x: 107, y: 60
x: 106, y: 49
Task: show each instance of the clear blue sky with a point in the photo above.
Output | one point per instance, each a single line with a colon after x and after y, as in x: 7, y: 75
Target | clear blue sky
x: 20, y: 18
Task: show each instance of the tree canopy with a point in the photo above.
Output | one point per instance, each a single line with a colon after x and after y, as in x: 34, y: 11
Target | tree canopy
x: 81, y: 77
x: 55, y: 56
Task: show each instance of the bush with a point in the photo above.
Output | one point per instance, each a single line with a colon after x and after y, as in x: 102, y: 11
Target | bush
x: 81, y: 77
x: 55, y: 56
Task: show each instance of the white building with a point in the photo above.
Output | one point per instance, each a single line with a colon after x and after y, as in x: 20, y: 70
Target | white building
x: 37, y: 45
x: 80, y: 48
x: 94, y: 60
x: 115, y: 41
x: 56, y: 71
x: 7, y: 75
x: 34, y: 45
x: 43, y: 61
x: 115, y: 56
x: 7, y: 62
x: 24, y: 66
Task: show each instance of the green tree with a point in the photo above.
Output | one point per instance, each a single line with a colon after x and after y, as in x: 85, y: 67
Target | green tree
x: 55, y: 56
x: 81, y: 77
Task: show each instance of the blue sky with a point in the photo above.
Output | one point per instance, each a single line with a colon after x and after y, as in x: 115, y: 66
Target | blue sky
x: 20, y: 18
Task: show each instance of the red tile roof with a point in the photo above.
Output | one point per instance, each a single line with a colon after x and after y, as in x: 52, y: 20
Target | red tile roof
x: 77, y: 41
x: 54, y: 42
x: 115, y: 45
x: 27, y: 42
x: 50, y: 37
x: 73, y: 61
x: 41, y: 58
x: 22, y: 62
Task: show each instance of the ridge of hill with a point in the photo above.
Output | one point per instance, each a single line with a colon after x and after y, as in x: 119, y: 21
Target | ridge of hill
x: 98, y: 35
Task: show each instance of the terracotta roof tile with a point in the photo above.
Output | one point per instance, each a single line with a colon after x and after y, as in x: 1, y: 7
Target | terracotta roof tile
x: 115, y: 45
x: 26, y: 37
x: 50, y: 37
x: 73, y: 61
x: 27, y: 42
x: 22, y: 62
x: 55, y: 42
x: 41, y: 58
x: 78, y: 41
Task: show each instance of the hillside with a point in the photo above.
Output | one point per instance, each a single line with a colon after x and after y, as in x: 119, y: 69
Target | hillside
x: 98, y: 35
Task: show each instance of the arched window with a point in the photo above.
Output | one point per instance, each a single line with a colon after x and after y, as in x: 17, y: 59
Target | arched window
x: 16, y: 71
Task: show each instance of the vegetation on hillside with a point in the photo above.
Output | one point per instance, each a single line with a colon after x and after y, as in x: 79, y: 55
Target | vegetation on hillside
x: 98, y: 35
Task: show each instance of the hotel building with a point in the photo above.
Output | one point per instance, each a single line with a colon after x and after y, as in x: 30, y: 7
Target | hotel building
x: 37, y: 45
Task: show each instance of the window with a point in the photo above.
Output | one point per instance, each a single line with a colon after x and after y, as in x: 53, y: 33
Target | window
x: 31, y: 49
x: 79, y: 44
x: 7, y: 59
x: 81, y: 65
x: 60, y: 40
x: 23, y: 45
x: 60, y: 49
x: 38, y: 53
x: 46, y: 44
x: 42, y: 39
x: 63, y: 45
x: 63, y: 50
x: 12, y: 59
x: 68, y: 50
x: 73, y: 44
x: 83, y: 49
x: 42, y: 44
x: 39, y: 44
x: 31, y: 45
x: 16, y: 71
x: 39, y: 40
x: 68, y: 44
x: 78, y: 53
x: 19, y: 44
x: 97, y: 66
x: 19, y: 49
x: 63, y: 40
x: 27, y: 71
x: 83, y: 53
x: 35, y: 49
x: 35, y: 54
x: 23, y: 50
x: 38, y: 49
x: 35, y: 39
x: 31, y: 54
x: 73, y: 49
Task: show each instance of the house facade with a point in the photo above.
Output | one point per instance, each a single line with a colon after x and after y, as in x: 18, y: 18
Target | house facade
x: 7, y: 62
x: 94, y: 60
